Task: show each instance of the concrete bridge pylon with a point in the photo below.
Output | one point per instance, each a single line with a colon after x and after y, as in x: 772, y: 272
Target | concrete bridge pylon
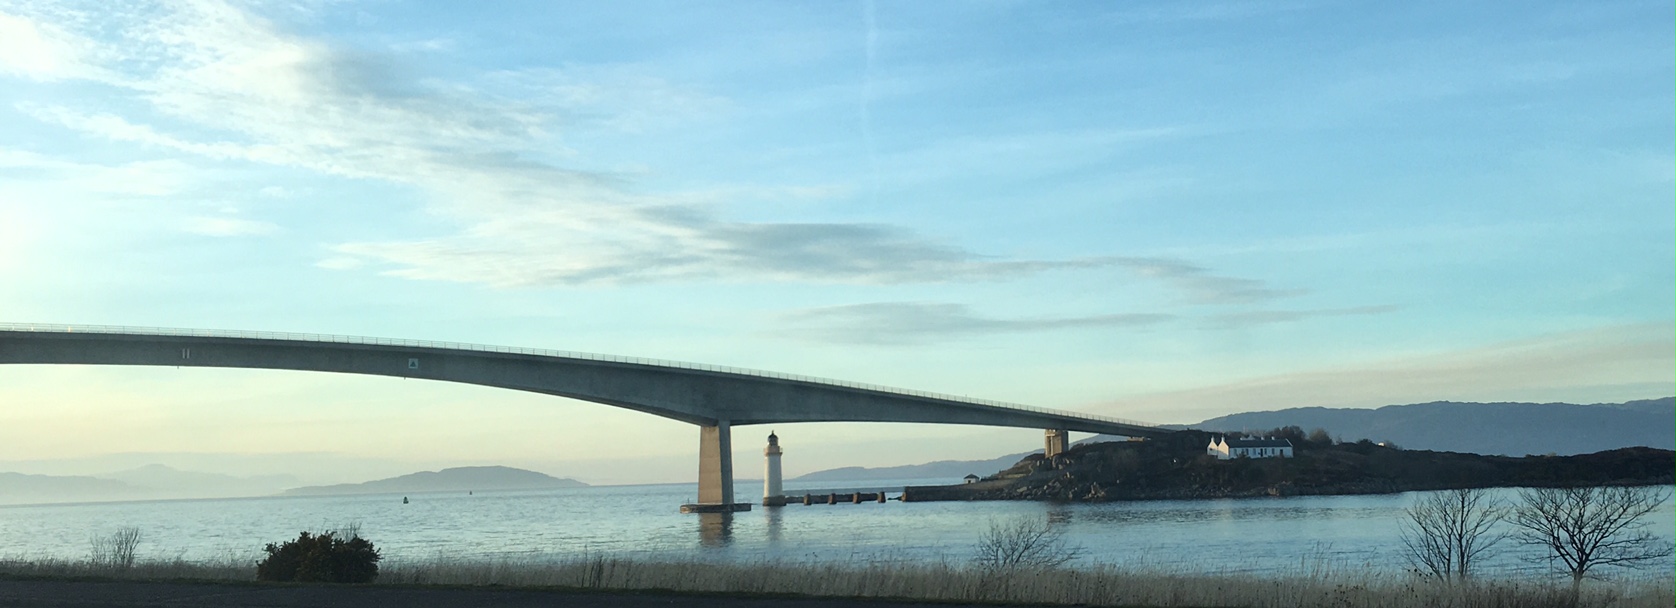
x: 715, y: 471
x: 1058, y: 440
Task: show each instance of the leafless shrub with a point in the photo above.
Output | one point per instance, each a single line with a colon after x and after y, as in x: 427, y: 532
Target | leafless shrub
x: 1443, y: 533
x: 115, y: 550
x: 1022, y: 543
x: 1582, y: 528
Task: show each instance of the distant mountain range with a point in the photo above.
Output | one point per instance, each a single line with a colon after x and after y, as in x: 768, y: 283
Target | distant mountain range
x: 193, y: 484
x: 951, y: 469
x: 1511, y: 429
x: 153, y: 481
x: 461, y: 479
x: 23, y: 489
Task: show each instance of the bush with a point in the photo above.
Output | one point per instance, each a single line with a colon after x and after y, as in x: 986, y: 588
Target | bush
x: 323, y: 558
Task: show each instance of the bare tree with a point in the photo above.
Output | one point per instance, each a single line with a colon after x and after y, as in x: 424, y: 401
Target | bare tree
x: 1445, y: 532
x: 1023, y: 544
x: 115, y: 550
x: 1582, y: 528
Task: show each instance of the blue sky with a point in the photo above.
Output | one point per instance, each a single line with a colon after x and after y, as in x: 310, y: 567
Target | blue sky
x: 1161, y: 211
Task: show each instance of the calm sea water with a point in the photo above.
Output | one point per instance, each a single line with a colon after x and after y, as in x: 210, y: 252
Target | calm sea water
x: 1265, y: 536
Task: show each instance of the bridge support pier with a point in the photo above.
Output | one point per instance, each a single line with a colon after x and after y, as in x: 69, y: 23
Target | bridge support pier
x: 1058, y: 440
x: 715, y: 471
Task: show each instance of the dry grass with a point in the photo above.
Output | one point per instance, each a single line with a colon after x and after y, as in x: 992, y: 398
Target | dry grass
x: 139, y: 569
x: 1096, y: 586
x: 1090, y: 586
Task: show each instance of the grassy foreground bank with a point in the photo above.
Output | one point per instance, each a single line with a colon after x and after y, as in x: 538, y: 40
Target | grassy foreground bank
x: 1087, y: 586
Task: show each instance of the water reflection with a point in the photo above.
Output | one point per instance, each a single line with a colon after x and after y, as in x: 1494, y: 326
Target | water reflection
x: 776, y: 523
x: 715, y: 529
x: 1059, y: 513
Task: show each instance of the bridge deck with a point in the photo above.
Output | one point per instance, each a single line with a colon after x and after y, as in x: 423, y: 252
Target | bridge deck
x: 692, y: 392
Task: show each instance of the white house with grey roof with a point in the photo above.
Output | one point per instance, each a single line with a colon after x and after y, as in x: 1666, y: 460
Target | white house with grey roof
x: 1224, y: 449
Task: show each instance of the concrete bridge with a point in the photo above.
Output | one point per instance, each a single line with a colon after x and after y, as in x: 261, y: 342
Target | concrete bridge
x: 715, y: 398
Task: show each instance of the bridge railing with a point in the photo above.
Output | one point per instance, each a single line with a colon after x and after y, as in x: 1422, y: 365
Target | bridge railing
x: 543, y: 352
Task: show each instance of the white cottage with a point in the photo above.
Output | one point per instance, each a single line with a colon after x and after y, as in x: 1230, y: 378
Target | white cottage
x: 1223, y: 449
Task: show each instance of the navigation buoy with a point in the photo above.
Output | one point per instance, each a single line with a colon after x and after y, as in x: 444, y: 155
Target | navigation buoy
x: 404, y: 500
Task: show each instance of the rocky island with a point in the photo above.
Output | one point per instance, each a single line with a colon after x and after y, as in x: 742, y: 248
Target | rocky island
x: 1177, y: 467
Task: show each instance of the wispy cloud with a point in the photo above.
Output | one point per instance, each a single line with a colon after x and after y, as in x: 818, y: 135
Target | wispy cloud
x: 1270, y: 317
x: 895, y: 323
x: 615, y: 97
x: 901, y: 323
x: 1199, y: 286
x: 230, y: 86
x: 688, y: 244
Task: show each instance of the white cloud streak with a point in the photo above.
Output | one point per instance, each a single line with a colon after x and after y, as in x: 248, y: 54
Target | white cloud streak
x: 1270, y: 317
x: 1199, y: 286
x: 913, y: 323
x: 899, y: 323
x: 224, y: 84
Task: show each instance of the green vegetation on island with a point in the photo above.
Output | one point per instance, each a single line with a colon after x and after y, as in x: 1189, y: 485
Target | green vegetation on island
x: 1177, y: 467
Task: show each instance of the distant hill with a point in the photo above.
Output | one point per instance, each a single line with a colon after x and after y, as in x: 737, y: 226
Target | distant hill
x: 1648, y: 406
x: 22, y: 489
x: 459, y: 479
x: 1511, y: 429
x: 942, y: 468
x: 175, y: 483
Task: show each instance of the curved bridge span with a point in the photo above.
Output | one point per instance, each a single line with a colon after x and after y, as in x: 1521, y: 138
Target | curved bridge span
x: 713, y: 397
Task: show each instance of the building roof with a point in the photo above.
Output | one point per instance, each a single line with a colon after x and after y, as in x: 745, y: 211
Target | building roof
x: 1260, y: 443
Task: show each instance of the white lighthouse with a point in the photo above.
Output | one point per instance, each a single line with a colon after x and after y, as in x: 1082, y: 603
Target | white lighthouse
x: 771, y: 494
